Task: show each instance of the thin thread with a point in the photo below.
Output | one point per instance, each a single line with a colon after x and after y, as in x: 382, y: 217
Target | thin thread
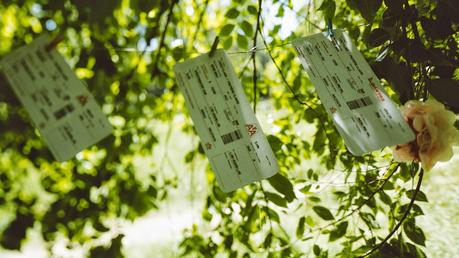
x: 250, y: 51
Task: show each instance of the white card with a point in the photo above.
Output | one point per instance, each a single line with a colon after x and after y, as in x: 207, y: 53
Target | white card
x: 365, y: 116
x: 231, y: 136
x: 59, y: 104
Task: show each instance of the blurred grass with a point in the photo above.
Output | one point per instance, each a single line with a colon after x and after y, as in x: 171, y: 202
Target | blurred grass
x: 441, y: 219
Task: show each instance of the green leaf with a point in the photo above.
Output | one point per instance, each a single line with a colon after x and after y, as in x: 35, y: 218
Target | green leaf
x: 280, y: 11
x: 275, y: 143
x: 369, y: 219
x: 319, y: 141
x: 276, y: 199
x: 385, y: 198
x: 98, y: 11
x: 268, y: 240
x: 420, y: 196
x: 316, y: 249
x: 310, y: 221
x: 300, y: 227
x: 310, y: 173
x: 437, y: 29
x: 16, y: 231
x: 398, y: 76
x: 323, y: 212
x: 314, y: 199
x: 227, y: 29
x: 228, y: 43
x: 415, y: 251
x: 367, y: 8
x: 416, y: 210
x: 219, y: 194
x: 143, y: 5
x: 190, y: 156
x: 394, y: 4
x: 328, y: 8
x: 247, y: 28
x: 378, y: 37
x: 272, y: 215
x: 339, y: 232
x: 310, y: 115
x: 242, y: 41
x: 306, y: 189
x: 414, y: 233
x: 252, y: 9
x: 232, y: 13
x: 206, y: 215
x: 283, y: 186
x: 253, y: 216
x: 114, y: 250
x: 229, y: 240
x: 445, y: 91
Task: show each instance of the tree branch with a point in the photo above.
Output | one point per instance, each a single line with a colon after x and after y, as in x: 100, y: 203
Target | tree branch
x: 295, y: 96
x: 364, y: 202
x: 300, y: 15
x: 163, y: 36
x: 201, y: 17
x: 254, y: 60
x: 405, y: 215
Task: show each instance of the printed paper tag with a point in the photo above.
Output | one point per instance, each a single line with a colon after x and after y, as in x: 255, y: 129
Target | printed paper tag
x: 231, y: 136
x: 365, y: 116
x: 59, y: 104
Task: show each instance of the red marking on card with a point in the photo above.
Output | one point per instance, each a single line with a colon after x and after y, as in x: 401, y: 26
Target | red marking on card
x: 209, y: 146
x: 378, y: 92
x: 333, y: 110
x: 252, y: 129
x: 82, y: 99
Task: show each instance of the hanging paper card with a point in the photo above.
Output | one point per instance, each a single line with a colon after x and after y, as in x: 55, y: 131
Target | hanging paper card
x: 364, y: 115
x: 59, y: 104
x: 231, y: 136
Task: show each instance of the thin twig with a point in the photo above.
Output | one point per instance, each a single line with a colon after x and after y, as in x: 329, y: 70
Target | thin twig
x: 198, y: 26
x: 254, y: 60
x: 266, y: 207
x: 319, y: 229
x: 300, y: 15
x: 365, y: 201
x: 405, y: 215
x: 163, y: 35
x: 295, y: 96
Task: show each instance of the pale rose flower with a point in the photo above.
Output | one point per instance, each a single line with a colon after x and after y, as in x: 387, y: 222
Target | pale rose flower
x: 435, y: 133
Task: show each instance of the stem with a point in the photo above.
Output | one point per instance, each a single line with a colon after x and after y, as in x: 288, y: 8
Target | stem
x: 254, y: 61
x: 296, y: 97
x: 266, y: 207
x: 163, y: 36
x: 405, y: 215
x: 201, y: 17
x: 306, y: 18
x: 364, y: 202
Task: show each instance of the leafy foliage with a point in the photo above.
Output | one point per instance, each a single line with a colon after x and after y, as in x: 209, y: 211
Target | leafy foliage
x: 412, y: 45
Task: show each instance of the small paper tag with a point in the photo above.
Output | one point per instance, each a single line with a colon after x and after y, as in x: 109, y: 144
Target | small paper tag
x: 231, y: 136
x: 363, y: 113
x: 59, y: 104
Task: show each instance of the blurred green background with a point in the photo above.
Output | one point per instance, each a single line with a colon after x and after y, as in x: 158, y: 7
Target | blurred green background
x: 148, y: 191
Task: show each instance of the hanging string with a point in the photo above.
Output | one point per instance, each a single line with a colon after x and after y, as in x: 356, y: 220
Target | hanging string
x: 245, y: 52
x: 147, y: 51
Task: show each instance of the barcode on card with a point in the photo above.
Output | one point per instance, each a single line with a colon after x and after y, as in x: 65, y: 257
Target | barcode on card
x: 64, y: 111
x: 359, y: 103
x: 231, y: 137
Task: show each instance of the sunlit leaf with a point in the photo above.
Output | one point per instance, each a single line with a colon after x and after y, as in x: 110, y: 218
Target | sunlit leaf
x: 323, y: 212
